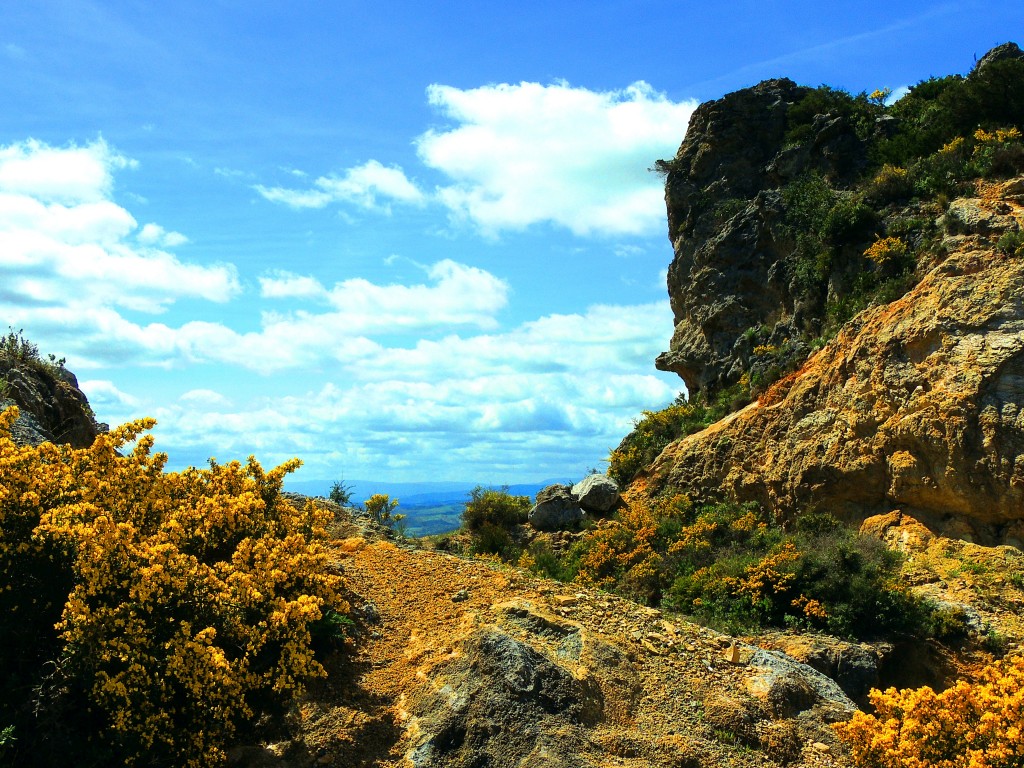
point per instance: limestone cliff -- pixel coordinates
(915, 404)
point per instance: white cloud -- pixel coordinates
(897, 94)
(103, 395)
(353, 313)
(282, 284)
(65, 242)
(529, 153)
(204, 398)
(372, 186)
(60, 174)
(510, 427)
(154, 234)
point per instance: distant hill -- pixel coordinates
(430, 507)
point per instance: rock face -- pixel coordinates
(499, 680)
(918, 404)
(52, 406)
(733, 268)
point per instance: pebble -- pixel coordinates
(460, 596)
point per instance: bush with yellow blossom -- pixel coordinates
(734, 566)
(151, 612)
(970, 725)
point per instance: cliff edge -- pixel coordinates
(857, 270)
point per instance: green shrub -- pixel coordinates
(341, 494)
(735, 567)
(857, 110)
(656, 429)
(892, 182)
(849, 219)
(491, 539)
(543, 561)
(494, 507)
(17, 351)
(381, 509)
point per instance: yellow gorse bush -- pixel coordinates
(886, 250)
(177, 604)
(970, 725)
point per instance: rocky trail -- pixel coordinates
(462, 662)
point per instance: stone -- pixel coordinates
(999, 53)
(52, 407)
(732, 270)
(596, 493)
(494, 681)
(787, 687)
(914, 405)
(556, 510)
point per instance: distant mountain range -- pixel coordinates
(429, 508)
(414, 494)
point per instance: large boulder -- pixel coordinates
(556, 509)
(504, 703)
(596, 493)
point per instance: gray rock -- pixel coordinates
(734, 270)
(788, 687)
(504, 703)
(596, 493)
(854, 667)
(556, 509)
(52, 407)
(999, 53)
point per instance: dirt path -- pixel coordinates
(671, 693)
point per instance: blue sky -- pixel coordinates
(402, 241)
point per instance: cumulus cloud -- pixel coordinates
(517, 404)
(350, 315)
(60, 174)
(154, 234)
(104, 394)
(282, 284)
(525, 154)
(371, 186)
(63, 240)
(204, 398)
(508, 427)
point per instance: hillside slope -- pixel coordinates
(460, 663)
(915, 404)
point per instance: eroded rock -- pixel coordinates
(556, 509)
(914, 405)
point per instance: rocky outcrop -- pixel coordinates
(52, 407)
(916, 404)
(734, 267)
(564, 507)
(530, 672)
